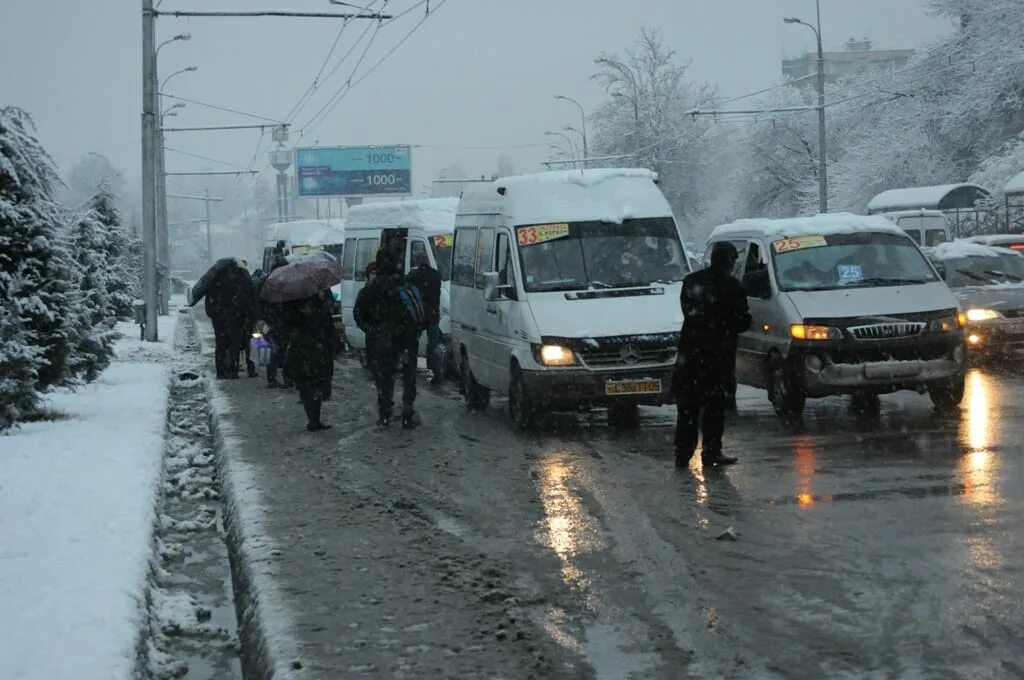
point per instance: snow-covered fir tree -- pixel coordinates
(124, 284)
(93, 317)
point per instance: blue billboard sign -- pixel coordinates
(354, 171)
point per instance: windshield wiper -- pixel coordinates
(601, 284)
(1005, 275)
(886, 281)
(973, 275)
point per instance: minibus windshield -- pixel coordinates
(984, 271)
(584, 255)
(854, 260)
(441, 244)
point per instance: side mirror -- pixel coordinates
(491, 286)
(758, 284)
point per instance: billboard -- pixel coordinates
(354, 171)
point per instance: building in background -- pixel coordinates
(857, 57)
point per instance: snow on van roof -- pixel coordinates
(606, 195)
(429, 214)
(823, 225)
(1015, 185)
(308, 232)
(957, 249)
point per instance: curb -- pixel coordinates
(268, 647)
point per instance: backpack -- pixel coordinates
(412, 302)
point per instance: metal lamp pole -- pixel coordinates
(567, 138)
(583, 124)
(822, 164)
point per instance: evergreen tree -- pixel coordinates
(91, 325)
(34, 306)
(124, 284)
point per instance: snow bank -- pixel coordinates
(951, 250)
(824, 225)
(606, 195)
(76, 521)
(433, 215)
(915, 197)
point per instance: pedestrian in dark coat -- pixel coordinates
(395, 340)
(715, 312)
(361, 315)
(229, 297)
(311, 349)
(277, 331)
(428, 281)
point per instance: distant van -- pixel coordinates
(302, 236)
(565, 293)
(426, 226)
(843, 304)
(928, 228)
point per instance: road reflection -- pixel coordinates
(977, 466)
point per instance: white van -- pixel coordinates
(928, 228)
(302, 236)
(565, 292)
(426, 225)
(843, 304)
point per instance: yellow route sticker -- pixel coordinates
(539, 233)
(444, 240)
(798, 243)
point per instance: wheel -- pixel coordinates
(624, 415)
(520, 406)
(865, 404)
(477, 396)
(947, 394)
(785, 393)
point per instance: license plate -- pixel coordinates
(614, 388)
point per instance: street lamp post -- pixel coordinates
(583, 124)
(822, 164)
(567, 138)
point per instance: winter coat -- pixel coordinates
(228, 292)
(311, 349)
(428, 281)
(381, 310)
(715, 312)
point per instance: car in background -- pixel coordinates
(989, 283)
(1012, 241)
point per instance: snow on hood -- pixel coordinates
(604, 317)
(952, 250)
(607, 195)
(1001, 296)
(824, 225)
(854, 302)
(436, 215)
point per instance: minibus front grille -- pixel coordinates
(887, 331)
(628, 357)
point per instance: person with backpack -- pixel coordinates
(427, 281)
(393, 312)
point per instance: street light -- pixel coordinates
(169, 112)
(583, 121)
(180, 36)
(567, 138)
(822, 165)
(190, 69)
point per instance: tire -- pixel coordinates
(624, 415)
(785, 393)
(865, 405)
(476, 395)
(520, 406)
(947, 394)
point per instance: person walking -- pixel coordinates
(389, 311)
(715, 312)
(361, 315)
(427, 280)
(310, 359)
(229, 297)
(277, 330)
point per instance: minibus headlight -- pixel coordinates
(556, 355)
(947, 324)
(982, 314)
(799, 331)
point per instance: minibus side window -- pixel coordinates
(366, 251)
(484, 255)
(505, 268)
(417, 249)
(348, 261)
(465, 253)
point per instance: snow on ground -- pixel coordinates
(76, 520)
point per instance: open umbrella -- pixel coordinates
(303, 278)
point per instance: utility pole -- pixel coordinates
(822, 162)
(149, 236)
(209, 238)
(583, 124)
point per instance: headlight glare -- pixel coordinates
(556, 355)
(800, 331)
(977, 314)
(946, 324)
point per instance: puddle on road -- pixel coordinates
(192, 620)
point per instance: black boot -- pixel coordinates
(250, 368)
(313, 407)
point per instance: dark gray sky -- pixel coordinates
(478, 73)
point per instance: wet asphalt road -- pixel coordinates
(888, 547)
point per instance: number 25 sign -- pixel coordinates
(799, 243)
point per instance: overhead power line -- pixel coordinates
(220, 108)
(205, 158)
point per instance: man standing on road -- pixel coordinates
(396, 338)
(361, 314)
(428, 281)
(715, 312)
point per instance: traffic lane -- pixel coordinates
(886, 545)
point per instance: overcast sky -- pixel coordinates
(478, 73)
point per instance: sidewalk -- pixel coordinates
(76, 520)
(381, 553)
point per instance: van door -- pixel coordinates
(488, 375)
(754, 345)
(467, 301)
(348, 291)
(417, 248)
(505, 327)
(365, 251)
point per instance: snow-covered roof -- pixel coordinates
(920, 212)
(957, 249)
(607, 195)
(819, 225)
(997, 239)
(934, 197)
(308, 232)
(1015, 185)
(433, 215)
